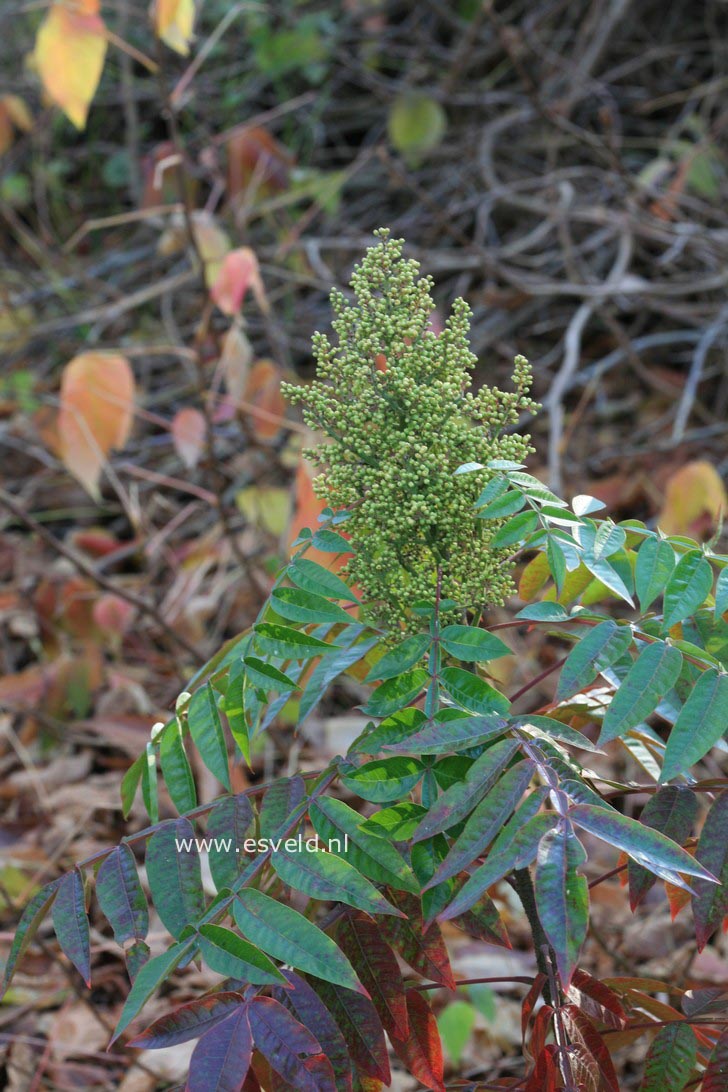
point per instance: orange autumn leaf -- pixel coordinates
(238, 272)
(307, 507)
(97, 401)
(188, 433)
(257, 159)
(266, 406)
(695, 501)
(69, 55)
(174, 22)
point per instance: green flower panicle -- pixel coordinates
(393, 399)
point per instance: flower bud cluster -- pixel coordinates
(393, 399)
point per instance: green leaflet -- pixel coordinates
(672, 810)
(392, 695)
(519, 852)
(687, 588)
(471, 644)
(507, 504)
(228, 954)
(486, 821)
(441, 736)
(651, 676)
(329, 667)
(176, 769)
(121, 896)
(174, 876)
(515, 530)
(286, 935)
(371, 855)
(401, 658)
(459, 800)
(702, 721)
(287, 643)
(562, 896)
(670, 1059)
(130, 784)
(266, 676)
(393, 729)
(31, 918)
(384, 779)
(203, 721)
(646, 846)
(595, 652)
(397, 822)
(232, 819)
(310, 576)
(329, 878)
(298, 605)
(655, 563)
(148, 978)
(472, 692)
(721, 594)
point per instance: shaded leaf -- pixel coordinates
(174, 875)
(598, 650)
(486, 821)
(687, 588)
(421, 1051)
(361, 1027)
(281, 1039)
(239, 272)
(205, 728)
(121, 896)
(176, 769)
(648, 847)
(188, 1021)
(391, 695)
(670, 1059)
(326, 670)
(313, 1013)
(332, 819)
(31, 918)
(672, 810)
(221, 1059)
(148, 978)
(424, 949)
(282, 798)
(710, 904)
(655, 563)
(376, 965)
(562, 896)
(71, 923)
(459, 800)
(581, 1031)
(702, 721)
(520, 851)
(715, 1077)
(231, 819)
(651, 676)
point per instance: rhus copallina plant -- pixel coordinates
(321, 954)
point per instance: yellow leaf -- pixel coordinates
(97, 401)
(14, 113)
(268, 508)
(174, 20)
(70, 49)
(695, 501)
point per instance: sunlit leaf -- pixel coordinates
(340, 827)
(149, 977)
(174, 875)
(702, 721)
(687, 588)
(651, 676)
(121, 896)
(173, 21)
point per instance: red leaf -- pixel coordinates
(543, 1078)
(529, 1002)
(281, 1039)
(312, 1012)
(421, 1051)
(541, 1028)
(711, 902)
(189, 429)
(425, 952)
(715, 1078)
(258, 160)
(376, 965)
(361, 1027)
(238, 272)
(582, 1031)
(188, 1021)
(596, 1000)
(221, 1059)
